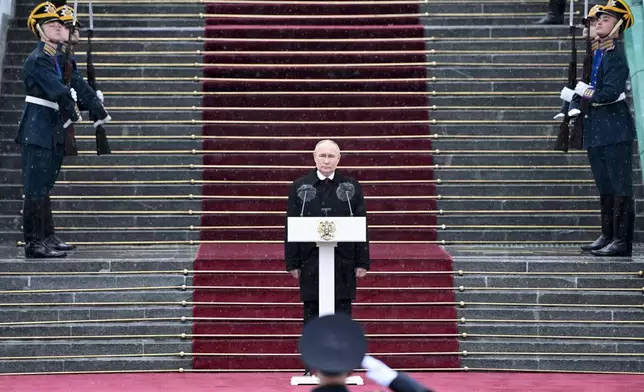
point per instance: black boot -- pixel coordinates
(555, 13)
(51, 239)
(622, 244)
(33, 229)
(607, 203)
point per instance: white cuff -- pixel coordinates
(103, 121)
(378, 372)
(567, 94)
(67, 124)
(584, 90)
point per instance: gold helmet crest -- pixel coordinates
(592, 13)
(620, 10)
(66, 15)
(42, 13)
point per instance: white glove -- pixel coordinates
(74, 95)
(378, 372)
(567, 94)
(581, 89)
(70, 122)
(100, 96)
(103, 121)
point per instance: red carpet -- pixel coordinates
(303, 80)
(279, 382)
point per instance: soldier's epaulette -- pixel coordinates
(607, 45)
(48, 50)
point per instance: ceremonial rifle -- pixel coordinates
(577, 135)
(102, 145)
(564, 129)
(70, 136)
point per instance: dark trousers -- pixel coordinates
(612, 168)
(40, 168)
(312, 308)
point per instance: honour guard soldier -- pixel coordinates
(609, 132)
(41, 132)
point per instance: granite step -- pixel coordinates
(102, 44)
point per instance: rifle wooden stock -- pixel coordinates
(577, 135)
(102, 145)
(71, 149)
(563, 138)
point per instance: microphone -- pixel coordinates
(345, 192)
(306, 193)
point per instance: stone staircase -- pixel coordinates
(527, 305)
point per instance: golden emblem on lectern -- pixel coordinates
(326, 229)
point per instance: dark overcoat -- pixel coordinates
(40, 125)
(348, 255)
(608, 122)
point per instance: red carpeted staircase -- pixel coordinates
(277, 83)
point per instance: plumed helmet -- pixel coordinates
(66, 15)
(592, 13)
(620, 10)
(42, 13)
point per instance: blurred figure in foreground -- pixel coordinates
(333, 346)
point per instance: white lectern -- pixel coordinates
(326, 232)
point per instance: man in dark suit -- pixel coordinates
(351, 259)
(609, 132)
(41, 131)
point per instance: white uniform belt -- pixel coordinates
(41, 102)
(622, 97)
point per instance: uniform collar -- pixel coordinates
(607, 44)
(47, 49)
(331, 388)
(321, 177)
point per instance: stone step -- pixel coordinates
(469, 283)
(386, 159)
(461, 86)
(546, 314)
(290, 115)
(458, 236)
(127, 143)
(509, 222)
(95, 365)
(449, 206)
(445, 174)
(462, 31)
(509, 347)
(16, 102)
(440, 71)
(566, 263)
(62, 348)
(239, 57)
(102, 44)
(23, 10)
(22, 315)
(194, 21)
(592, 364)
